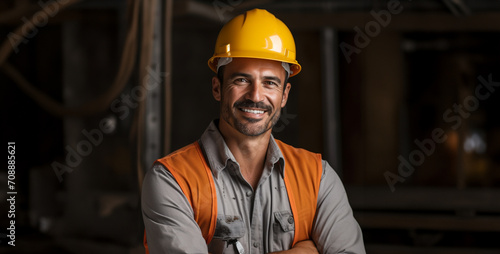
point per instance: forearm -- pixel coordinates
(303, 247)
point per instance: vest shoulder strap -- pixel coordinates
(190, 170)
(302, 176)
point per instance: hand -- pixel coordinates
(302, 247)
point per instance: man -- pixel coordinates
(238, 190)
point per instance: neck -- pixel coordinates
(249, 151)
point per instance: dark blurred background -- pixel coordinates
(401, 97)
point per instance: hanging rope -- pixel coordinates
(49, 104)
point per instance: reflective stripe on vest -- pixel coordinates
(303, 171)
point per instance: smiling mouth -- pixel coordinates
(252, 111)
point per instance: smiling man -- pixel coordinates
(237, 189)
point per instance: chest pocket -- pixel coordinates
(283, 230)
(229, 227)
(228, 230)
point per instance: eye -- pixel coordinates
(241, 81)
(270, 83)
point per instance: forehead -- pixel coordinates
(256, 67)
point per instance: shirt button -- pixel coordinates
(256, 244)
(249, 193)
(290, 220)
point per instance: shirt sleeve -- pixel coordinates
(335, 230)
(168, 216)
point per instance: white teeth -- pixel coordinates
(252, 111)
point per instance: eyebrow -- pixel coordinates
(240, 74)
(246, 75)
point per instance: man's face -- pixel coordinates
(252, 94)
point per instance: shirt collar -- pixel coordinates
(219, 156)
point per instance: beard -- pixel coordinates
(249, 126)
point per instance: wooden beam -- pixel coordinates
(390, 249)
(426, 21)
(424, 221)
(424, 198)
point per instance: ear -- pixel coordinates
(216, 88)
(285, 94)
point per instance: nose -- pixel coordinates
(255, 92)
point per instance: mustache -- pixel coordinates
(250, 104)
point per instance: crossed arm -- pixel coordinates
(303, 247)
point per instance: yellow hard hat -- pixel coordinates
(256, 34)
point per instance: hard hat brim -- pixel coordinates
(294, 65)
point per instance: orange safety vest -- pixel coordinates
(303, 171)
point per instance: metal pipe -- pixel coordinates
(167, 137)
(331, 109)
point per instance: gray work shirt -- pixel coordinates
(257, 221)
